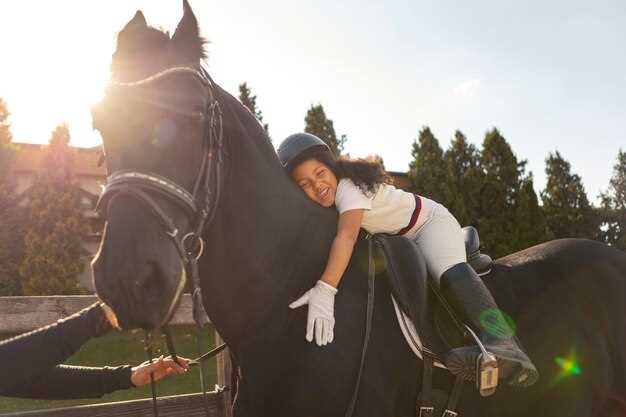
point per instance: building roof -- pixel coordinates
(400, 180)
(85, 160)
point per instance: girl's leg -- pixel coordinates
(441, 242)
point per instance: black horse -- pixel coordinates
(268, 243)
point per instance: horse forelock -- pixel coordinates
(142, 50)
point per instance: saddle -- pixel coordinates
(419, 305)
(429, 325)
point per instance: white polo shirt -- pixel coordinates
(388, 210)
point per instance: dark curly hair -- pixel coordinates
(367, 174)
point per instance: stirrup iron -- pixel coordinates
(486, 368)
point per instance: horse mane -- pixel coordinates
(242, 120)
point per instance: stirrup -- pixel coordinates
(486, 368)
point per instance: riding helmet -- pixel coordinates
(297, 147)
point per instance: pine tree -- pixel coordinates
(321, 126)
(5, 126)
(54, 256)
(426, 171)
(11, 218)
(613, 206)
(249, 100)
(565, 203)
(463, 179)
(533, 227)
(499, 193)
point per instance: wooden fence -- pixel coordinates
(22, 314)
(189, 405)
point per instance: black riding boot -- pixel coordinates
(469, 296)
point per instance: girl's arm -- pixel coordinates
(321, 298)
(342, 247)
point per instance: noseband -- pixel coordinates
(199, 205)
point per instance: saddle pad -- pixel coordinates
(410, 334)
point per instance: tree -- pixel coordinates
(321, 126)
(426, 172)
(498, 196)
(565, 203)
(5, 126)
(463, 179)
(613, 206)
(249, 100)
(11, 219)
(54, 256)
(530, 216)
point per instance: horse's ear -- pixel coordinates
(138, 20)
(187, 38)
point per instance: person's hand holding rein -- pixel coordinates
(160, 368)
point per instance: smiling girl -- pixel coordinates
(361, 193)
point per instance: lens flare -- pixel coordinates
(569, 367)
(497, 323)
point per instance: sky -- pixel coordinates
(550, 75)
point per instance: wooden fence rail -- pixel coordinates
(189, 405)
(22, 314)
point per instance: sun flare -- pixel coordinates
(61, 72)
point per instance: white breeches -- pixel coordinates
(441, 241)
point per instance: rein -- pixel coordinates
(369, 314)
(200, 206)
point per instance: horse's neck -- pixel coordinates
(266, 245)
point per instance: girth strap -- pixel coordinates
(426, 407)
(455, 395)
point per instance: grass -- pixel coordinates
(119, 348)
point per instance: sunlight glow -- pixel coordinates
(63, 54)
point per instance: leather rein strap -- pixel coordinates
(200, 206)
(369, 314)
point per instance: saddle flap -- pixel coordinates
(407, 276)
(406, 272)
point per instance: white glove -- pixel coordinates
(321, 316)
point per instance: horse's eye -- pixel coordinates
(164, 133)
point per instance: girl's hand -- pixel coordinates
(321, 315)
(161, 367)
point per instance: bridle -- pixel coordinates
(199, 205)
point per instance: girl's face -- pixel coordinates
(317, 181)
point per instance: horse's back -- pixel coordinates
(568, 252)
(566, 299)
